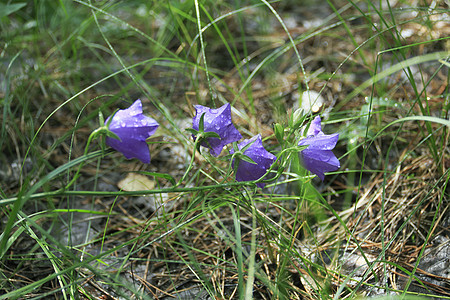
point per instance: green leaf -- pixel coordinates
(201, 125)
(247, 146)
(211, 134)
(101, 119)
(112, 135)
(160, 175)
(7, 9)
(279, 132)
(247, 159)
(192, 131)
(297, 118)
(444, 122)
(235, 147)
(111, 118)
(395, 68)
(25, 196)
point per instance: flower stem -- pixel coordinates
(191, 163)
(93, 135)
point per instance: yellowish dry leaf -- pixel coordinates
(136, 182)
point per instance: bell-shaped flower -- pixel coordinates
(318, 157)
(218, 121)
(132, 128)
(247, 171)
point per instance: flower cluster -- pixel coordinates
(219, 121)
(129, 129)
(317, 157)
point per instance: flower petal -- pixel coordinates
(320, 141)
(140, 128)
(319, 162)
(315, 127)
(124, 115)
(131, 148)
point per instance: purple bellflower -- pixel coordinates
(132, 128)
(318, 157)
(247, 171)
(218, 121)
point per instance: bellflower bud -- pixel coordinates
(132, 128)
